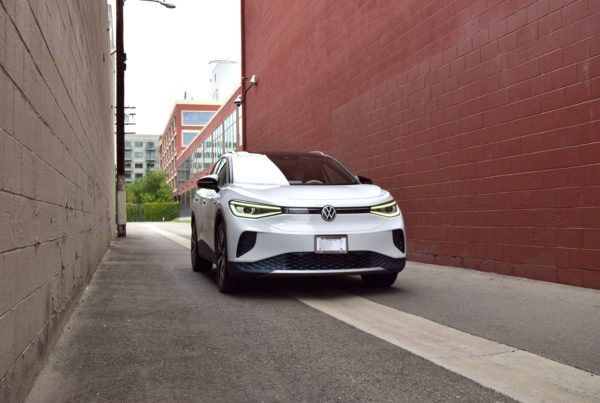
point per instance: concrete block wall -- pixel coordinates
(481, 116)
(56, 172)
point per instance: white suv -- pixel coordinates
(294, 214)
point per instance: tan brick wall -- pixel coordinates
(56, 172)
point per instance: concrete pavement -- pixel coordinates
(139, 335)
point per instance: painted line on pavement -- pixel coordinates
(515, 373)
(183, 241)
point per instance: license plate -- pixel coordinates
(331, 244)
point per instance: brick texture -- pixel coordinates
(56, 172)
(482, 118)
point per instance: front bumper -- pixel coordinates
(312, 264)
(284, 245)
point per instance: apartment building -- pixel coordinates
(141, 155)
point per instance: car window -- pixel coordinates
(302, 169)
(290, 169)
(257, 169)
(222, 173)
(333, 175)
(217, 167)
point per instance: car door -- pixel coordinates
(210, 204)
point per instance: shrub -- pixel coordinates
(152, 211)
(135, 212)
(158, 211)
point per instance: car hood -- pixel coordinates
(312, 195)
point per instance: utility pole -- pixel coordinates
(121, 195)
(121, 59)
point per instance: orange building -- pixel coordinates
(185, 123)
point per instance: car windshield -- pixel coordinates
(290, 169)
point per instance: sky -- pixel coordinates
(168, 54)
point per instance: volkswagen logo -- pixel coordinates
(328, 213)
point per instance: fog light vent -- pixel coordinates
(398, 236)
(246, 243)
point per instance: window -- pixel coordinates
(192, 118)
(217, 138)
(139, 144)
(138, 165)
(245, 169)
(312, 170)
(150, 144)
(150, 165)
(207, 153)
(217, 168)
(150, 155)
(138, 155)
(128, 154)
(188, 137)
(284, 169)
(222, 173)
(183, 171)
(230, 132)
(128, 164)
(240, 137)
(199, 154)
(128, 144)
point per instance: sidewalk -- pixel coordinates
(139, 324)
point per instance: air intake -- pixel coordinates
(398, 236)
(246, 243)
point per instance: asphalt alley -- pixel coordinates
(511, 371)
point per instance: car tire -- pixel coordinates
(379, 280)
(225, 281)
(198, 264)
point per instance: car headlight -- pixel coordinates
(389, 209)
(253, 210)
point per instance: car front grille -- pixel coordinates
(313, 261)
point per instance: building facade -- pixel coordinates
(141, 155)
(222, 134)
(481, 117)
(187, 119)
(57, 177)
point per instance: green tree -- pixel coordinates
(151, 188)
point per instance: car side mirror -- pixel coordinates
(209, 182)
(365, 180)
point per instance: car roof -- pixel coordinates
(280, 153)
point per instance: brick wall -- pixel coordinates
(481, 117)
(57, 172)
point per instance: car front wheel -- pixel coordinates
(225, 282)
(379, 280)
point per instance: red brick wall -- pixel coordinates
(482, 118)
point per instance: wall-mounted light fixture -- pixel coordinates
(240, 98)
(253, 82)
